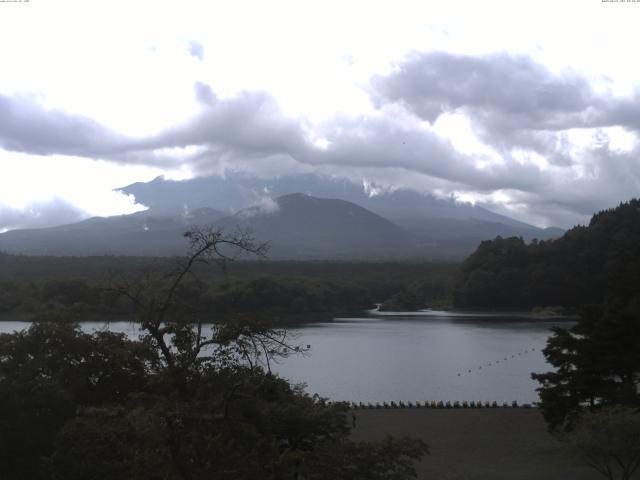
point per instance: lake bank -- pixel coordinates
(296, 319)
(492, 314)
(476, 444)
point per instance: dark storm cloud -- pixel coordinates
(247, 125)
(25, 126)
(250, 127)
(610, 178)
(503, 92)
(517, 105)
(625, 112)
(512, 101)
(381, 142)
(514, 105)
(40, 214)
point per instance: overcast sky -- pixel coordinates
(531, 108)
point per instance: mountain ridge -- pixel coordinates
(298, 225)
(236, 191)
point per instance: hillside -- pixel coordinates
(136, 234)
(578, 269)
(305, 227)
(297, 226)
(423, 214)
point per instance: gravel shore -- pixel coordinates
(477, 444)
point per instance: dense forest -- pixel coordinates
(574, 271)
(37, 287)
(270, 298)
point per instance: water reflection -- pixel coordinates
(428, 356)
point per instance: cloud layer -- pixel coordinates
(549, 152)
(40, 214)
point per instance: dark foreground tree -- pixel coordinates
(193, 398)
(47, 373)
(608, 441)
(597, 363)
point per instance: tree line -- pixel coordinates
(297, 299)
(574, 271)
(33, 287)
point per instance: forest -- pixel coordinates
(574, 271)
(31, 287)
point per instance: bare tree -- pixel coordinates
(180, 330)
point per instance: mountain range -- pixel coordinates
(301, 216)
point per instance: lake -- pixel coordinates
(412, 356)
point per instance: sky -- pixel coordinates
(531, 109)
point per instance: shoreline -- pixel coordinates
(286, 319)
(494, 314)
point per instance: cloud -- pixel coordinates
(383, 142)
(527, 115)
(196, 50)
(522, 112)
(512, 101)
(250, 130)
(249, 125)
(204, 94)
(264, 206)
(40, 214)
(26, 126)
(508, 92)
(625, 112)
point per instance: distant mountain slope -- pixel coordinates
(136, 234)
(472, 229)
(452, 229)
(301, 226)
(298, 226)
(576, 270)
(236, 191)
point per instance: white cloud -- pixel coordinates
(264, 206)
(25, 179)
(291, 83)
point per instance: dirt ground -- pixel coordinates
(477, 444)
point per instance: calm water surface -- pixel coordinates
(409, 357)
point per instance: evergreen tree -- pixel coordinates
(597, 363)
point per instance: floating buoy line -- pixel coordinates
(497, 362)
